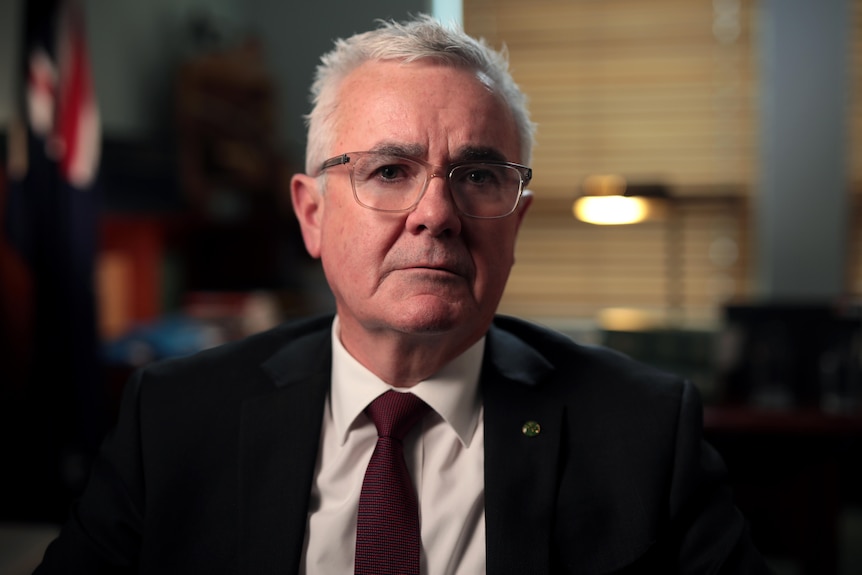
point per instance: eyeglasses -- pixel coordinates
(394, 183)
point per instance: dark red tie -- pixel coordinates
(387, 527)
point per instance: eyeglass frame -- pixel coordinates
(525, 172)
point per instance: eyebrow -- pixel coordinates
(480, 153)
(395, 149)
(467, 153)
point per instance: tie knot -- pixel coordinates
(394, 413)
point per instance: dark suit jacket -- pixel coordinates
(210, 467)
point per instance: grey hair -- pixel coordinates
(420, 38)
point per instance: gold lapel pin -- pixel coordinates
(531, 429)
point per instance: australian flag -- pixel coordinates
(54, 384)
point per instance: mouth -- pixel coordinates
(433, 263)
(450, 269)
(434, 273)
(441, 268)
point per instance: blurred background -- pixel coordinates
(144, 213)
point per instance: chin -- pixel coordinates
(439, 318)
(426, 315)
(429, 324)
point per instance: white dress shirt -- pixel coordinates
(445, 456)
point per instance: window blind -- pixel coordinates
(660, 92)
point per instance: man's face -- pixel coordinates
(429, 271)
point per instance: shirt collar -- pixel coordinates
(452, 392)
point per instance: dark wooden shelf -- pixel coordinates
(793, 422)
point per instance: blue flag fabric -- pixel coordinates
(50, 228)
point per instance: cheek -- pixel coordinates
(337, 250)
(494, 256)
(499, 273)
(352, 250)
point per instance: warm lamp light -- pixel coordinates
(628, 319)
(609, 200)
(610, 210)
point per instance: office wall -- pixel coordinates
(9, 10)
(802, 216)
(136, 46)
(134, 49)
(294, 36)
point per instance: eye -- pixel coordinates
(480, 176)
(391, 172)
(385, 169)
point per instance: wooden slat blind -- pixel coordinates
(660, 92)
(657, 90)
(688, 264)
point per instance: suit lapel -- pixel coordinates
(279, 438)
(520, 466)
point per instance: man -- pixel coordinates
(531, 454)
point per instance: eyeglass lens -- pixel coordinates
(392, 183)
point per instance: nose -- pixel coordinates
(436, 211)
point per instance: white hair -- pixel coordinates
(421, 38)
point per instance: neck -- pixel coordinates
(403, 359)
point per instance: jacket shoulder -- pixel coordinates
(583, 363)
(249, 351)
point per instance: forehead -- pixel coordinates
(423, 105)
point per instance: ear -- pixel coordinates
(308, 207)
